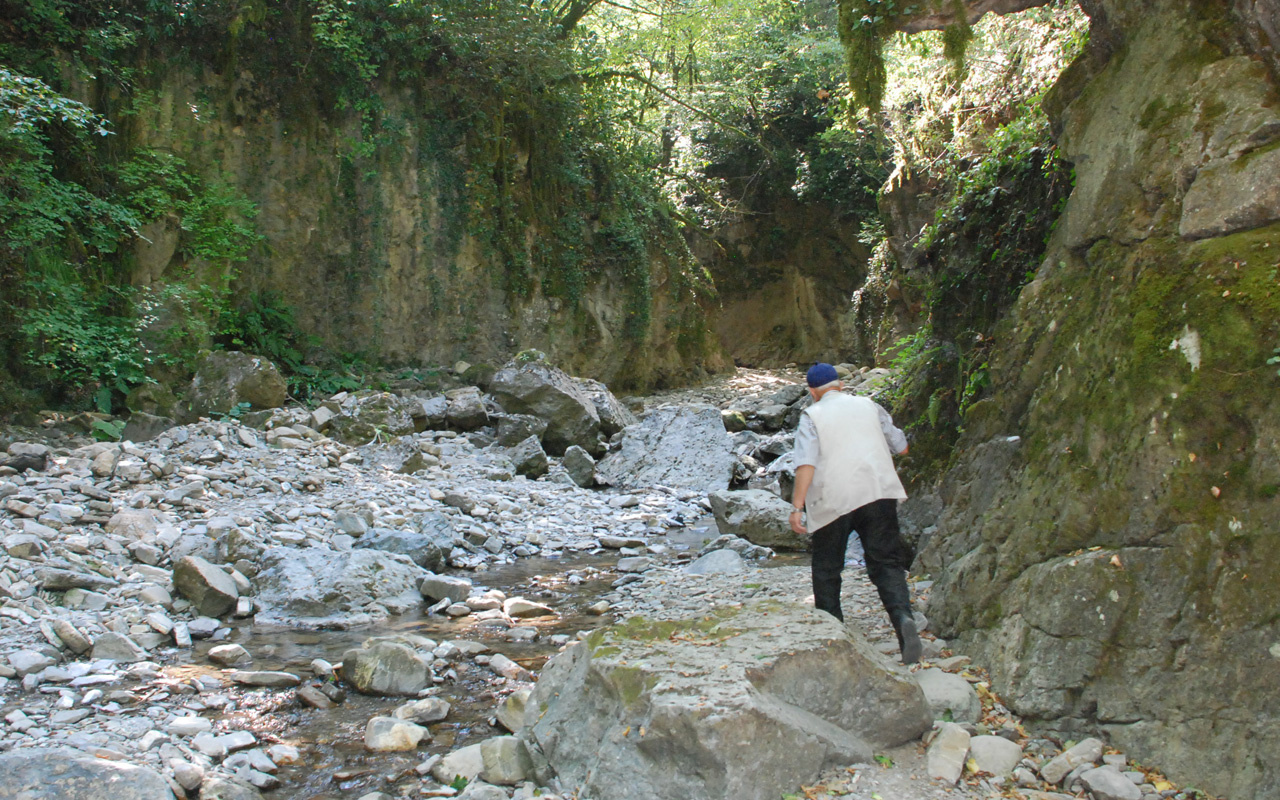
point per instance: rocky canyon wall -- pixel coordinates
(784, 273)
(1107, 542)
(368, 238)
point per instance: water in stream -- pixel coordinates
(336, 763)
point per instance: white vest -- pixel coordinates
(855, 466)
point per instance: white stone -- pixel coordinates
(383, 734)
(947, 753)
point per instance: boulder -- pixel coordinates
(515, 428)
(787, 395)
(424, 712)
(229, 655)
(550, 394)
(717, 562)
(684, 447)
(428, 549)
(374, 416)
(479, 790)
(439, 587)
(745, 703)
(995, 755)
(529, 458)
(758, 516)
(220, 787)
(226, 379)
(154, 399)
(118, 647)
(947, 753)
(506, 761)
(520, 608)
(771, 416)
(738, 545)
(386, 667)
(52, 579)
(134, 523)
(1086, 751)
(465, 762)
(211, 590)
(1107, 783)
(319, 586)
(465, 409)
(614, 416)
(511, 710)
(434, 412)
(63, 774)
(385, 734)
(950, 696)
(580, 466)
(143, 427)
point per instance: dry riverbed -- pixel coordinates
(230, 684)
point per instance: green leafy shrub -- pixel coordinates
(74, 339)
(265, 325)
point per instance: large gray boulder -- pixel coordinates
(758, 516)
(747, 703)
(580, 466)
(529, 458)
(386, 667)
(680, 446)
(950, 696)
(548, 393)
(428, 547)
(515, 428)
(465, 409)
(614, 416)
(225, 379)
(64, 774)
(143, 427)
(211, 590)
(317, 586)
(375, 417)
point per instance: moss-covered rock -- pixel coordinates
(226, 380)
(1106, 546)
(746, 703)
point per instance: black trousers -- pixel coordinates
(888, 557)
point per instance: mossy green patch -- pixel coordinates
(704, 628)
(631, 683)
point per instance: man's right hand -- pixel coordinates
(797, 522)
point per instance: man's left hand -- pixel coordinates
(797, 522)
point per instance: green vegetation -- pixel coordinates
(570, 143)
(979, 140)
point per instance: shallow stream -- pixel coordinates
(336, 763)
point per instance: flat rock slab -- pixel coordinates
(746, 703)
(316, 586)
(273, 680)
(685, 447)
(59, 774)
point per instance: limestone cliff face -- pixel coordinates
(784, 274)
(1108, 539)
(371, 245)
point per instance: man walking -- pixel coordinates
(846, 482)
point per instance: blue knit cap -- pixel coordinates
(821, 375)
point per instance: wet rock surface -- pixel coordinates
(227, 609)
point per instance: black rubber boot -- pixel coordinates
(904, 624)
